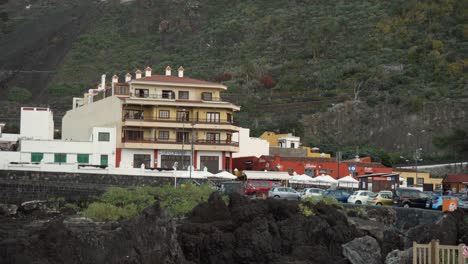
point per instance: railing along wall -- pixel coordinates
(434, 253)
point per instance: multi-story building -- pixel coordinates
(161, 121)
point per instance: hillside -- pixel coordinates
(285, 62)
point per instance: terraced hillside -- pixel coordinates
(285, 62)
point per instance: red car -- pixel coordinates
(255, 187)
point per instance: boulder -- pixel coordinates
(8, 209)
(30, 206)
(369, 227)
(363, 250)
(400, 257)
(384, 215)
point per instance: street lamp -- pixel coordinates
(417, 152)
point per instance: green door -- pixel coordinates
(104, 160)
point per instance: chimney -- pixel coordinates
(128, 77)
(168, 71)
(181, 71)
(138, 74)
(115, 79)
(148, 72)
(103, 82)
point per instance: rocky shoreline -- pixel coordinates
(245, 231)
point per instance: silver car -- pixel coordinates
(312, 192)
(284, 193)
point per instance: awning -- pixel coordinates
(267, 175)
(224, 175)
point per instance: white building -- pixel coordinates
(98, 150)
(250, 146)
(37, 123)
(289, 141)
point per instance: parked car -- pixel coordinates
(284, 193)
(463, 203)
(312, 192)
(340, 195)
(410, 197)
(359, 197)
(254, 187)
(437, 201)
(381, 198)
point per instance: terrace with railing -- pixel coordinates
(179, 141)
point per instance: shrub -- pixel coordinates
(306, 210)
(118, 203)
(357, 212)
(328, 200)
(18, 94)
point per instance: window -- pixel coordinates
(212, 117)
(182, 116)
(212, 137)
(37, 157)
(229, 118)
(292, 145)
(228, 138)
(143, 93)
(104, 160)
(83, 158)
(134, 114)
(207, 96)
(164, 114)
(164, 135)
(60, 158)
(410, 181)
(420, 180)
(168, 94)
(133, 134)
(184, 95)
(104, 136)
(182, 137)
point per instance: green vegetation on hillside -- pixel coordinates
(18, 94)
(286, 58)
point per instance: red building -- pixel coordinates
(311, 166)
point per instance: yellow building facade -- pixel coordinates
(161, 120)
(413, 178)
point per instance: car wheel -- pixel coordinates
(358, 202)
(276, 196)
(406, 205)
(379, 204)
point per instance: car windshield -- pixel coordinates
(355, 193)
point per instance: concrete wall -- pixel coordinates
(7, 157)
(37, 123)
(288, 152)
(20, 186)
(77, 124)
(249, 146)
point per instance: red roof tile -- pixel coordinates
(455, 178)
(175, 79)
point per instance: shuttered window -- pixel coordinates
(37, 157)
(83, 158)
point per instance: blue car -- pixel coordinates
(437, 201)
(340, 195)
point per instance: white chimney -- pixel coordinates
(181, 72)
(128, 77)
(115, 79)
(168, 71)
(103, 82)
(138, 74)
(148, 72)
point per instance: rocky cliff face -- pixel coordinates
(387, 126)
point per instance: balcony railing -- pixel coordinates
(176, 141)
(172, 97)
(181, 120)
